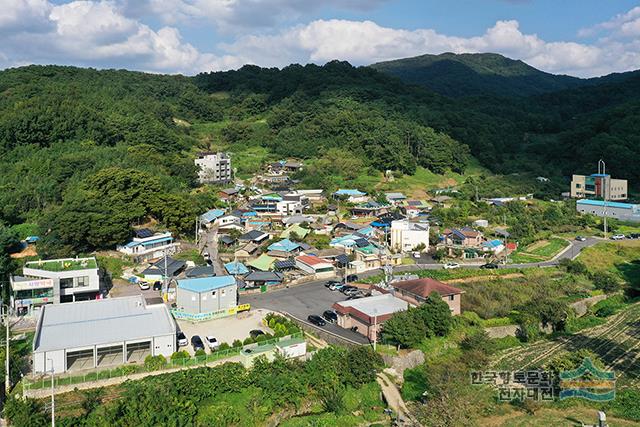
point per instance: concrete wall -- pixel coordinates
(164, 345)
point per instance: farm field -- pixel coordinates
(616, 342)
(542, 250)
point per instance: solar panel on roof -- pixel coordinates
(144, 233)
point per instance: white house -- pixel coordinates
(147, 245)
(407, 235)
(214, 167)
(315, 265)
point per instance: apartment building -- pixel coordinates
(599, 186)
(407, 235)
(53, 282)
(214, 167)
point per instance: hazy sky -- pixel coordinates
(577, 37)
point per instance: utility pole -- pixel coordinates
(165, 290)
(606, 192)
(7, 377)
(53, 400)
(375, 328)
(197, 229)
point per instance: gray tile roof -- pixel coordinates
(98, 322)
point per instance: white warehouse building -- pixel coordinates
(407, 235)
(101, 334)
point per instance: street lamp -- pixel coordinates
(53, 402)
(375, 328)
(7, 378)
(603, 167)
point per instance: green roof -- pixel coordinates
(300, 231)
(263, 263)
(68, 264)
(290, 341)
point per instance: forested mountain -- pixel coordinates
(86, 154)
(471, 74)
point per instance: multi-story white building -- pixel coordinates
(214, 167)
(407, 235)
(148, 245)
(54, 281)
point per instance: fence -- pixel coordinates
(126, 370)
(201, 317)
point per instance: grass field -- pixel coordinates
(621, 258)
(539, 251)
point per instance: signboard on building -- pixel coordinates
(32, 284)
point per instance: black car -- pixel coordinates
(634, 236)
(316, 320)
(196, 343)
(255, 333)
(157, 286)
(352, 278)
(330, 316)
(489, 265)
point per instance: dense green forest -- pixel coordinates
(86, 154)
(471, 74)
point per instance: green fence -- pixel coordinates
(125, 370)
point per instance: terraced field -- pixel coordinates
(616, 342)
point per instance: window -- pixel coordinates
(213, 294)
(66, 283)
(83, 281)
(452, 297)
(223, 291)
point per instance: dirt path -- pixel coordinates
(394, 400)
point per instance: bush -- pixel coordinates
(248, 340)
(573, 266)
(224, 346)
(200, 353)
(180, 355)
(609, 306)
(236, 344)
(154, 363)
(607, 282)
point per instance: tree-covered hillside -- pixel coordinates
(472, 74)
(86, 154)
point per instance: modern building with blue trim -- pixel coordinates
(148, 245)
(617, 210)
(207, 294)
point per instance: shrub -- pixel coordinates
(248, 340)
(607, 282)
(224, 346)
(609, 306)
(236, 344)
(180, 355)
(200, 353)
(154, 363)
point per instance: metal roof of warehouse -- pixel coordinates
(100, 322)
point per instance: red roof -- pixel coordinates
(424, 287)
(312, 260)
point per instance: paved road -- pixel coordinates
(570, 252)
(209, 243)
(302, 300)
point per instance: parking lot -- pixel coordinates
(302, 300)
(226, 329)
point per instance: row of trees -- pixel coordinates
(188, 397)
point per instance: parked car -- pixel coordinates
(212, 342)
(316, 320)
(352, 278)
(417, 254)
(206, 256)
(157, 285)
(332, 282)
(634, 236)
(330, 316)
(336, 286)
(355, 295)
(255, 333)
(347, 288)
(489, 265)
(451, 265)
(196, 343)
(182, 339)
(144, 286)
(618, 237)
(351, 292)
(581, 238)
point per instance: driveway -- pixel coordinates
(302, 300)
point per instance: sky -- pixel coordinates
(584, 38)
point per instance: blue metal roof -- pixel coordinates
(211, 215)
(285, 245)
(492, 243)
(149, 242)
(599, 175)
(349, 192)
(600, 203)
(204, 284)
(236, 268)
